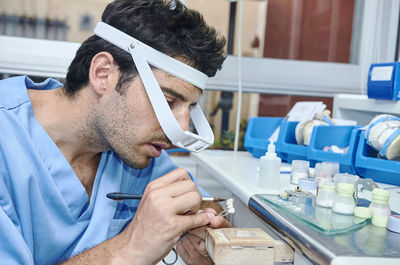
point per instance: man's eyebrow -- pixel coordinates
(173, 93)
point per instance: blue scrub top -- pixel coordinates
(45, 216)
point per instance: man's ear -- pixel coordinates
(103, 73)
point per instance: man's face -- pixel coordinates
(128, 125)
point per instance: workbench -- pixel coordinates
(233, 174)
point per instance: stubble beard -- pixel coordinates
(119, 131)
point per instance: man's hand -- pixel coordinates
(166, 211)
(169, 207)
(192, 249)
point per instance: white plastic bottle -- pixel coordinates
(270, 170)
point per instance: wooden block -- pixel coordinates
(239, 246)
(283, 252)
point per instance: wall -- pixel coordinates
(306, 30)
(71, 11)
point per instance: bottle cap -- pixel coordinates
(394, 223)
(380, 220)
(271, 147)
(345, 189)
(363, 212)
(270, 152)
(380, 196)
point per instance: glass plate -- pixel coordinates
(320, 218)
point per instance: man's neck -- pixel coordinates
(67, 122)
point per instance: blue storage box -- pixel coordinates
(258, 130)
(380, 170)
(383, 81)
(287, 147)
(341, 136)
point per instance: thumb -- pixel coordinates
(197, 220)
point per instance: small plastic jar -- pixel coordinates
(300, 169)
(309, 185)
(344, 200)
(394, 223)
(380, 202)
(326, 194)
(325, 171)
(380, 220)
(345, 177)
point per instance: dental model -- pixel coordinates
(229, 205)
(228, 213)
(383, 135)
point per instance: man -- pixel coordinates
(64, 148)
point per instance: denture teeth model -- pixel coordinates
(229, 205)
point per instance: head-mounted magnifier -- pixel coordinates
(143, 55)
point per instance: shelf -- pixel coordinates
(361, 108)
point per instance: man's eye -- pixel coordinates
(192, 106)
(170, 101)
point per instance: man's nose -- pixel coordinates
(182, 115)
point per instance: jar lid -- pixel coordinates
(307, 184)
(345, 189)
(345, 178)
(300, 166)
(328, 185)
(380, 195)
(394, 223)
(363, 212)
(380, 220)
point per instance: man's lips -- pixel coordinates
(156, 148)
(160, 145)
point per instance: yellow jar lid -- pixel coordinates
(328, 185)
(363, 212)
(380, 220)
(380, 195)
(345, 189)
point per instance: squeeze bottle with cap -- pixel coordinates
(270, 170)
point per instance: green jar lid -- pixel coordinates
(363, 212)
(380, 196)
(345, 189)
(380, 220)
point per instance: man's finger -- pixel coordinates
(181, 187)
(218, 221)
(176, 175)
(195, 254)
(190, 222)
(188, 202)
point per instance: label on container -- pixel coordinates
(381, 73)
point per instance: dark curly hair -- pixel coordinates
(167, 26)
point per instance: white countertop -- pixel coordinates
(237, 171)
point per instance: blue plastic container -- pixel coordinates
(380, 170)
(258, 130)
(341, 136)
(287, 147)
(384, 88)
